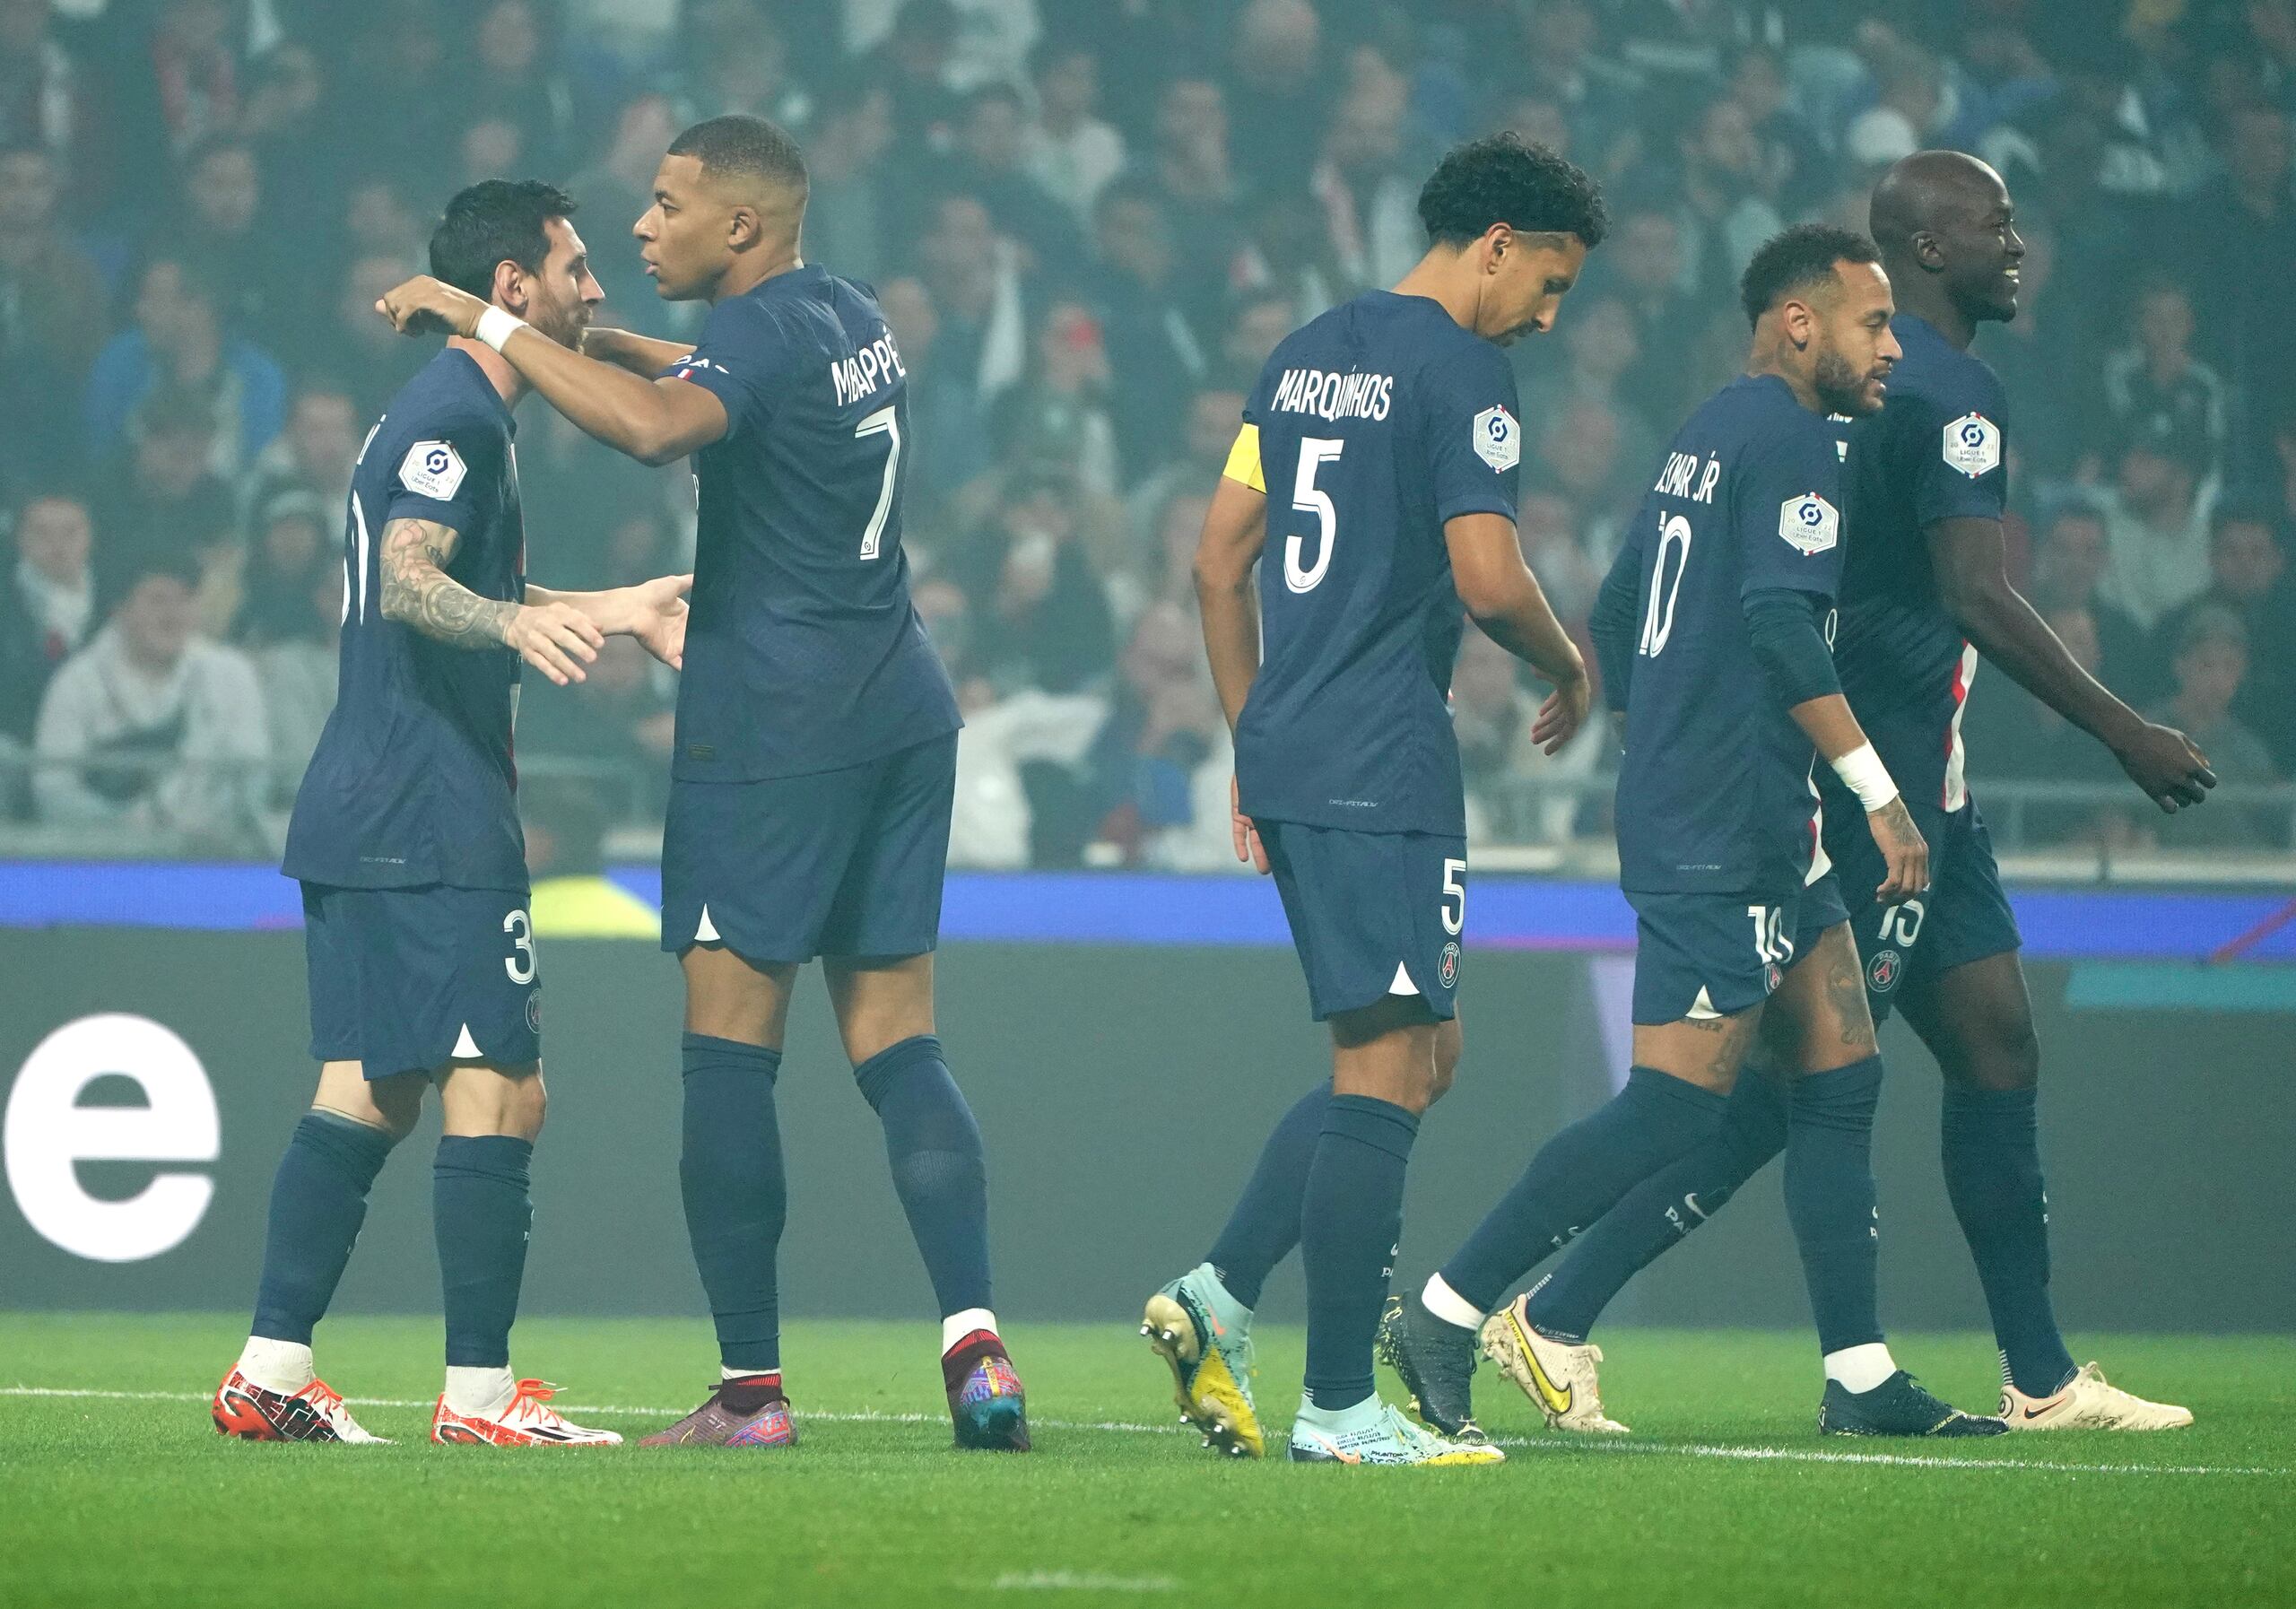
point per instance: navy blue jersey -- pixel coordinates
(1376, 422)
(1938, 449)
(412, 782)
(1714, 793)
(802, 652)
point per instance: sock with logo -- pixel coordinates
(940, 1171)
(736, 1198)
(482, 1214)
(1578, 1175)
(1349, 1216)
(1829, 1199)
(1265, 1224)
(318, 1200)
(1990, 1142)
(1659, 1212)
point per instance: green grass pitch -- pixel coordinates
(1725, 1495)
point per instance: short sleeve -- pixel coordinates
(1957, 451)
(1788, 505)
(738, 361)
(1474, 433)
(451, 474)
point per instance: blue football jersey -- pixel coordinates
(413, 780)
(803, 651)
(1378, 421)
(1714, 793)
(1938, 449)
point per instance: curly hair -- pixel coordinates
(1799, 257)
(1505, 179)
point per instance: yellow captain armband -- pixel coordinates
(1243, 460)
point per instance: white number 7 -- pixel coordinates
(885, 422)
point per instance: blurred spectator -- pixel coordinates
(740, 59)
(295, 138)
(915, 57)
(51, 317)
(1291, 252)
(2046, 354)
(1193, 174)
(1040, 616)
(850, 222)
(990, 160)
(1576, 454)
(1068, 149)
(2211, 662)
(1257, 322)
(571, 897)
(2069, 565)
(1214, 414)
(2156, 520)
(2012, 736)
(970, 41)
(1164, 722)
(224, 240)
(1791, 163)
(1546, 523)
(1560, 65)
(2156, 379)
(188, 79)
(1150, 338)
(2236, 239)
(297, 665)
(179, 344)
(1283, 90)
(46, 102)
(358, 345)
(1644, 267)
(166, 503)
(48, 605)
(1726, 207)
(1370, 204)
(1058, 414)
(153, 728)
(315, 453)
(510, 76)
(290, 555)
(2247, 579)
(618, 186)
(1601, 346)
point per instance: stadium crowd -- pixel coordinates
(1089, 225)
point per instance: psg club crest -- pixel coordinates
(534, 1011)
(1883, 972)
(1771, 977)
(1973, 445)
(1810, 523)
(1447, 969)
(1498, 438)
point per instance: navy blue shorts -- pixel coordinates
(848, 861)
(407, 979)
(1373, 913)
(1964, 916)
(1702, 956)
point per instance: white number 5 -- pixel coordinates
(883, 423)
(1455, 896)
(1307, 498)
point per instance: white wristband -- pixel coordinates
(1862, 771)
(495, 327)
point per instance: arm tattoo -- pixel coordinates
(418, 591)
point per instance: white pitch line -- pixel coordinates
(1684, 1449)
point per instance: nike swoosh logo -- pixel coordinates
(1335, 1451)
(1556, 1399)
(2044, 1407)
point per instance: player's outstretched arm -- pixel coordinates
(1235, 529)
(554, 638)
(1509, 607)
(1970, 560)
(654, 421)
(1782, 625)
(626, 349)
(653, 611)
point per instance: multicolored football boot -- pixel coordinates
(315, 1413)
(987, 1405)
(1377, 1433)
(1205, 1335)
(747, 1410)
(527, 1420)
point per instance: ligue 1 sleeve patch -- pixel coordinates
(432, 469)
(1973, 445)
(1809, 523)
(1498, 438)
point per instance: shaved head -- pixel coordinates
(1947, 231)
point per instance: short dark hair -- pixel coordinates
(740, 144)
(1505, 179)
(1798, 258)
(495, 220)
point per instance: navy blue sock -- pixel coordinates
(1265, 1224)
(1991, 1144)
(1349, 1214)
(1657, 1213)
(736, 1199)
(940, 1173)
(481, 1214)
(1829, 1199)
(1579, 1175)
(318, 1200)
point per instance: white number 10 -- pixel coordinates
(883, 423)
